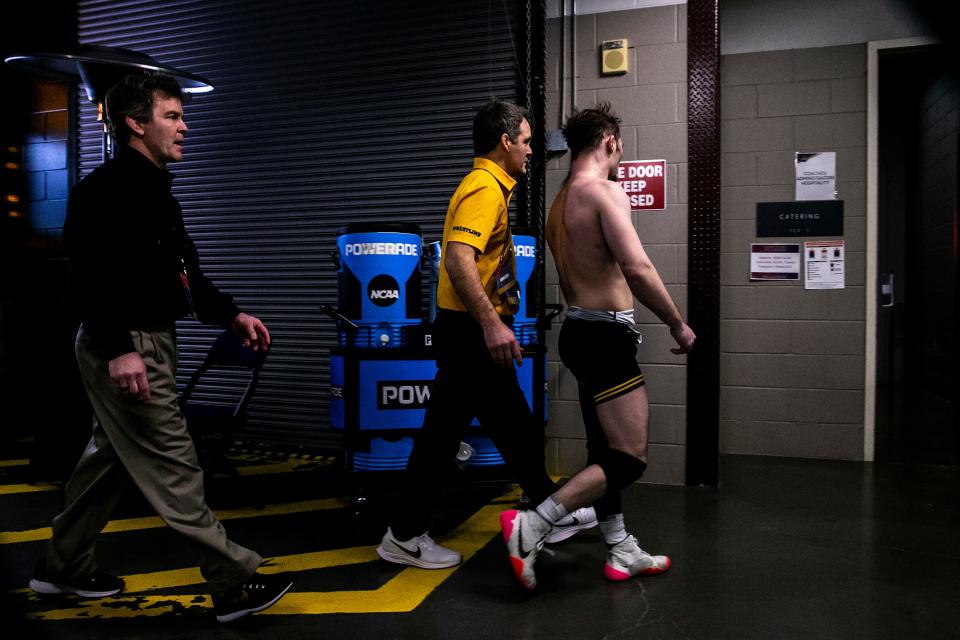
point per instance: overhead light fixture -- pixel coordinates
(99, 67)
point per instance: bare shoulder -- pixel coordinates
(601, 194)
(615, 193)
(605, 197)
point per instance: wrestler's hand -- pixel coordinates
(253, 332)
(684, 336)
(129, 375)
(502, 344)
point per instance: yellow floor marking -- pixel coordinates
(251, 457)
(247, 456)
(126, 607)
(8, 489)
(281, 467)
(409, 588)
(403, 593)
(153, 522)
(140, 582)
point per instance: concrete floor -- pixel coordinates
(785, 548)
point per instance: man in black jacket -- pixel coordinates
(134, 273)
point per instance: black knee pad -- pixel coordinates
(621, 469)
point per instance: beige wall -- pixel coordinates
(651, 99)
(792, 360)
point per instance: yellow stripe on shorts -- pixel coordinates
(618, 390)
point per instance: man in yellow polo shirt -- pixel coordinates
(477, 295)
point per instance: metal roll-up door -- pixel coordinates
(323, 114)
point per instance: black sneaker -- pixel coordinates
(97, 585)
(259, 592)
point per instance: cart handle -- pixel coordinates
(336, 315)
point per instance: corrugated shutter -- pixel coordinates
(322, 114)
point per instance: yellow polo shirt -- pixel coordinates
(477, 216)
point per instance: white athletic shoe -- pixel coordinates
(420, 551)
(525, 533)
(626, 559)
(580, 519)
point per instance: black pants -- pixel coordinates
(602, 355)
(469, 385)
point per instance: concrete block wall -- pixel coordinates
(45, 158)
(792, 378)
(651, 100)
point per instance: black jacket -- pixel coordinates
(125, 238)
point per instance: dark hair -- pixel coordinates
(133, 96)
(492, 121)
(586, 128)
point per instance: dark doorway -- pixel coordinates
(917, 257)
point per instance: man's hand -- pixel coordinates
(685, 338)
(461, 262)
(502, 344)
(129, 375)
(253, 332)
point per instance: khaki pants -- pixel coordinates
(148, 441)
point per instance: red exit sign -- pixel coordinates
(645, 182)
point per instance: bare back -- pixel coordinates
(590, 274)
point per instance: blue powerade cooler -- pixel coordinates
(382, 372)
(525, 320)
(379, 282)
(383, 395)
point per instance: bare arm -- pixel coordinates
(460, 261)
(641, 275)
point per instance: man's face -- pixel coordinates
(163, 135)
(519, 152)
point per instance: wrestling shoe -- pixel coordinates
(626, 559)
(580, 519)
(95, 585)
(420, 551)
(259, 592)
(525, 533)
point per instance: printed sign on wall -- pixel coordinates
(774, 261)
(824, 261)
(816, 175)
(809, 218)
(645, 182)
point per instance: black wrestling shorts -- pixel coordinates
(602, 355)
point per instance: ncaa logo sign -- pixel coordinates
(383, 290)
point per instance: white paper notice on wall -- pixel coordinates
(817, 175)
(774, 261)
(824, 264)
